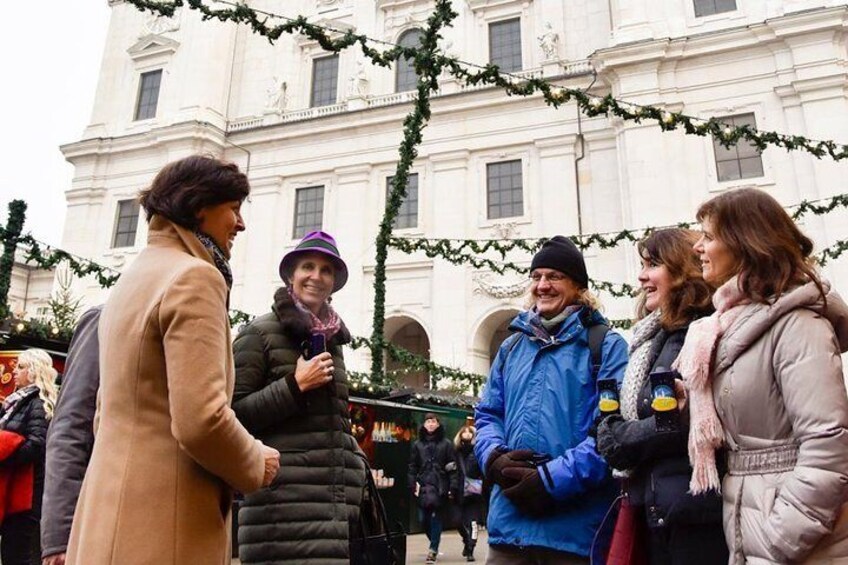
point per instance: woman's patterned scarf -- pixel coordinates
(12, 400)
(328, 323)
(218, 256)
(694, 363)
(639, 365)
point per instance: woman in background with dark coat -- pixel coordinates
(26, 412)
(683, 529)
(292, 392)
(469, 493)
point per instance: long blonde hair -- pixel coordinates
(40, 367)
(457, 440)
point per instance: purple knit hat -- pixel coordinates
(316, 242)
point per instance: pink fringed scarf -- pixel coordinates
(694, 363)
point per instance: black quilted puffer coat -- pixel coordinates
(29, 420)
(304, 516)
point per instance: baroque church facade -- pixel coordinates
(318, 136)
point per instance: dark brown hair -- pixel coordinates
(772, 255)
(184, 187)
(689, 297)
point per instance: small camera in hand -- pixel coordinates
(608, 399)
(664, 400)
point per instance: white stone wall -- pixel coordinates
(782, 60)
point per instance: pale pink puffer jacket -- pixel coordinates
(779, 391)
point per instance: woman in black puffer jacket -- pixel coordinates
(300, 407)
(682, 529)
(26, 412)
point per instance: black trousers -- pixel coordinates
(19, 540)
(687, 544)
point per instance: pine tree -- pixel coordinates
(64, 307)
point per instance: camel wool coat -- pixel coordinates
(168, 448)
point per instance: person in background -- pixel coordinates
(168, 449)
(764, 376)
(551, 487)
(433, 479)
(469, 492)
(292, 392)
(26, 413)
(70, 438)
(683, 529)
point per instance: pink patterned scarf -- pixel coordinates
(694, 363)
(328, 323)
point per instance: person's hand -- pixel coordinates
(55, 559)
(314, 373)
(272, 463)
(500, 459)
(528, 493)
(680, 393)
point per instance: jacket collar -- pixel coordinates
(163, 232)
(573, 325)
(758, 318)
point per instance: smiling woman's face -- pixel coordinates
(312, 280)
(655, 281)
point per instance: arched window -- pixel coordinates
(405, 78)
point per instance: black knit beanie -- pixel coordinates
(560, 253)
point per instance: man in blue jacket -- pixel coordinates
(551, 489)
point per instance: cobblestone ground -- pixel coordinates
(450, 550)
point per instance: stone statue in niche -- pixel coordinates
(156, 24)
(549, 42)
(358, 87)
(276, 97)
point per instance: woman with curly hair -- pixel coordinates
(23, 431)
(681, 528)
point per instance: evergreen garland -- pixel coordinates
(11, 234)
(429, 62)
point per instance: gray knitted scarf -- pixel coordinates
(639, 365)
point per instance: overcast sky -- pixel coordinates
(51, 61)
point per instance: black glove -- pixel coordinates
(528, 494)
(501, 459)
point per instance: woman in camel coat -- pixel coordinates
(168, 449)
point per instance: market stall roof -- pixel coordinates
(390, 404)
(430, 397)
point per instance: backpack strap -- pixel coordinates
(513, 341)
(597, 333)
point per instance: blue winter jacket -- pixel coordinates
(542, 396)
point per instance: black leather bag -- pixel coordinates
(371, 541)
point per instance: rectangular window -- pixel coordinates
(325, 79)
(308, 210)
(148, 95)
(711, 7)
(505, 45)
(408, 214)
(742, 161)
(504, 190)
(126, 223)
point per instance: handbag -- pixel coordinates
(628, 545)
(371, 542)
(472, 487)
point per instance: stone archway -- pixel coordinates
(407, 333)
(491, 332)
